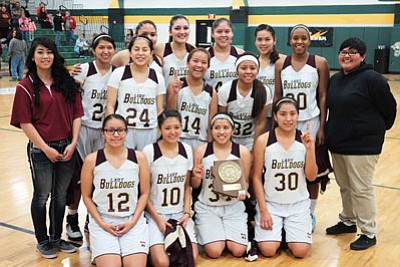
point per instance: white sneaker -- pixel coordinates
(251, 252)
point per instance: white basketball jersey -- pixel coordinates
(171, 63)
(137, 101)
(94, 94)
(303, 86)
(221, 72)
(207, 196)
(194, 110)
(168, 177)
(156, 65)
(240, 108)
(285, 181)
(267, 77)
(116, 190)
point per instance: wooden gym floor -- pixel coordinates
(17, 242)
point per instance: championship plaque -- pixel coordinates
(228, 177)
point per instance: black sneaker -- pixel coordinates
(341, 228)
(251, 252)
(73, 231)
(46, 250)
(363, 242)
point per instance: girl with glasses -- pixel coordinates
(115, 190)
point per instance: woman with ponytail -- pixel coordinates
(47, 107)
(174, 53)
(247, 100)
(304, 77)
(265, 42)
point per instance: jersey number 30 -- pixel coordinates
(291, 181)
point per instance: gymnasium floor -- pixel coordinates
(17, 241)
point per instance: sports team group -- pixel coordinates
(136, 134)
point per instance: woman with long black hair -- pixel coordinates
(47, 107)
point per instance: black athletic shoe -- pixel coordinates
(363, 242)
(87, 224)
(341, 228)
(73, 231)
(251, 251)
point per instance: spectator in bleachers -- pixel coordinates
(44, 19)
(11, 34)
(39, 8)
(4, 22)
(16, 12)
(128, 37)
(69, 26)
(58, 22)
(32, 29)
(16, 52)
(9, 6)
(23, 27)
(3, 3)
(82, 46)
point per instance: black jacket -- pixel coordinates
(361, 108)
(58, 23)
(178, 245)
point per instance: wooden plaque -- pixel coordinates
(229, 177)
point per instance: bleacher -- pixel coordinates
(67, 51)
(83, 25)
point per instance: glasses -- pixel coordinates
(350, 53)
(120, 131)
